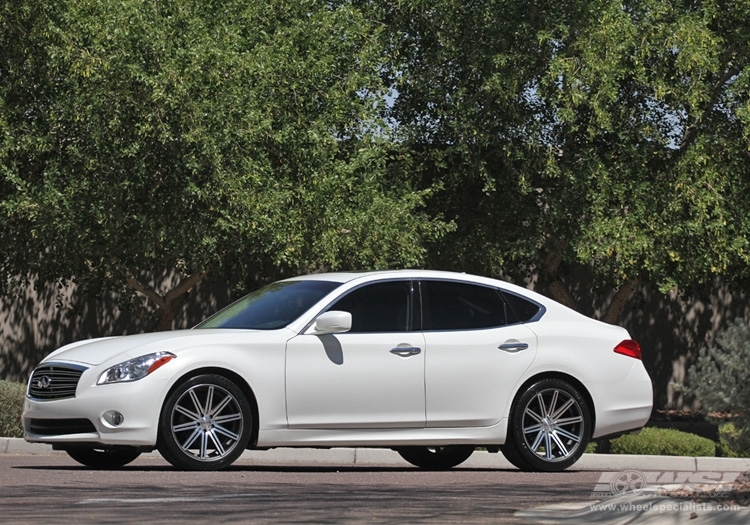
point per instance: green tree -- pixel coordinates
(148, 144)
(608, 134)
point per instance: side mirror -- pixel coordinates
(333, 322)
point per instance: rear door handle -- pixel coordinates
(406, 351)
(513, 347)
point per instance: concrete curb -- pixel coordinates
(376, 456)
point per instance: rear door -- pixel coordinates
(476, 352)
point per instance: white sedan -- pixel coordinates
(431, 364)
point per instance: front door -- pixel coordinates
(369, 377)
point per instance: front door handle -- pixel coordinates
(406, 351)
(513, 347)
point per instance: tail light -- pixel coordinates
(629, 348)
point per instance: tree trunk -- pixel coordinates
(620, 300)
(169, 303)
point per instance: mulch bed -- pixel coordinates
(739, 495)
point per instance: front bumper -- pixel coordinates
(87, 417)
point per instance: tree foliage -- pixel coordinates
(245, 139)
(139, 138)
(608, 134)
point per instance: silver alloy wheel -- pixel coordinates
(553, 425)
(207, 422)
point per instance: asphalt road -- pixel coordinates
(54, 489)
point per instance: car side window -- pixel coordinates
(521, 310)
(378, 307)
(450, 305)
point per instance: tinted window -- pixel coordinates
(460, 306)
(522, 309)
(271, 307)
(379, 307)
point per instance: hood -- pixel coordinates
(97, 351)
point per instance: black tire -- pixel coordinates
(205, 424)
(103, 458)
(550, 426)
(436, 458)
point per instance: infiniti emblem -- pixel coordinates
(44, 382)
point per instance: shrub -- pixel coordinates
(663, 442)
(719, 379)
(11, 406)
(729, 442)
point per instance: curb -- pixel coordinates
(381, 456)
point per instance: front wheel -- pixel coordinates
(103, 458)
(436, 458)
(205, 424)
(550, 426)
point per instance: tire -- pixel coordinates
(205, 424)
(103, 458)
(550, 426)
(436, 458)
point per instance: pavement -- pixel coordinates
(631, 489)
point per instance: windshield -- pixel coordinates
(271, 307)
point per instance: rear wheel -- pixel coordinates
(103, 458)
(550, 426)
(436, 458)
(205, 424)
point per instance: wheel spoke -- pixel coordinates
(563, 408)
(217, 443)
(532, 428)
(563, 450)
(204, 445)
(548, 446)
(533, 414)
(213, 411)
(569, 421)
(552, 404)
(187, 413)
(185, 426)
(540, 402)
(209, 400)
(226, 432)
(537, 441)
(569, 435)
(191, 439)
(196, 402)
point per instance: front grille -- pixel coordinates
(60, 427)
(54, 381)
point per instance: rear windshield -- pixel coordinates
(272, 307)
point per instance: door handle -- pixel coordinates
(513, 347)
(406, 351)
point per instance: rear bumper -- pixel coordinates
(622, 406)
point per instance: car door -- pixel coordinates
(474, 355)
(369, 377)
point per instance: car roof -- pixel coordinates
(346, 277)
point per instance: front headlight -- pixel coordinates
(135, 369)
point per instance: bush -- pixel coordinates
(719, 379)
(11, 406)
(663, 442)
(729, 442)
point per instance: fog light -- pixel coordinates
(113, 418)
